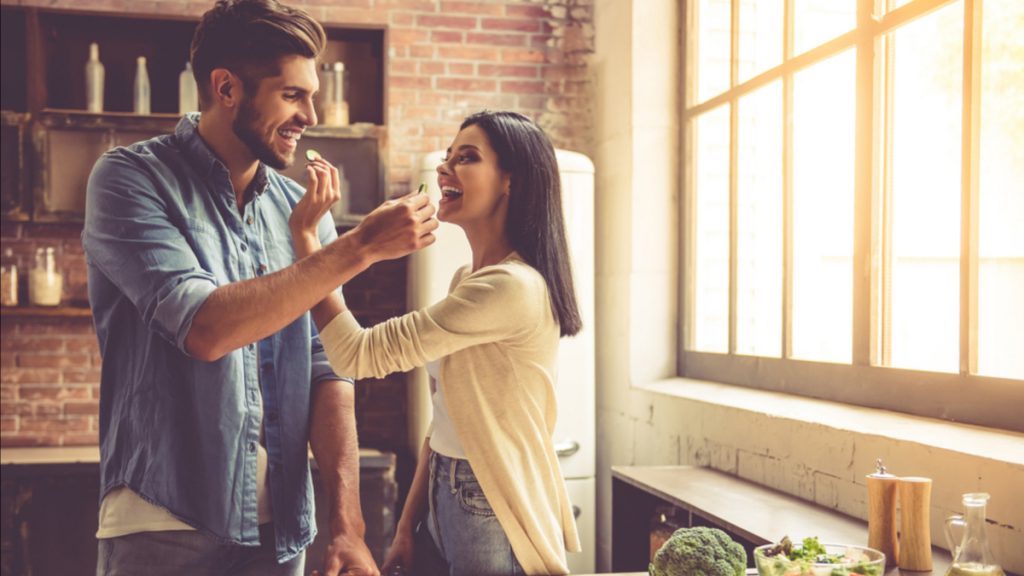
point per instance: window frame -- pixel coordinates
(964, 396)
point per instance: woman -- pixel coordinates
(488, 482)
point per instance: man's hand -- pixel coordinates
(348, 554)
(398, 227)
(322, 192)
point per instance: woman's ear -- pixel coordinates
(506, 183)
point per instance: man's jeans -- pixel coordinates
(180, 552)
(463, 525)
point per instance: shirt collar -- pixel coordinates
(203, 160)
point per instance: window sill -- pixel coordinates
(977, 441)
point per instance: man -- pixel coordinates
(214, 379)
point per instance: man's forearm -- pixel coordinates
(244, 312)
(335, 446)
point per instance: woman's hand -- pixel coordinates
(398, 561)
(322, 192)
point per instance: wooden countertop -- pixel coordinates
(59, 455)
(755, 512)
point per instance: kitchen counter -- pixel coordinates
(750, 513)
(61, 455)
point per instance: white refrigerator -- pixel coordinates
(430, 273)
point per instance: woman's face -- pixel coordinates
(474, 190)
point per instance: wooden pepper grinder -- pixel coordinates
(882, 535)
(915, 528)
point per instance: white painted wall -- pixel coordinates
(819, 451)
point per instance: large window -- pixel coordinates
(853, 208)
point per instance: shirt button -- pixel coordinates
(252, 446)
(249, 220)
(261, 269)
(244, 247)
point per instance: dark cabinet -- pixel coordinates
(50, 143)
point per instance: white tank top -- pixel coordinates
(443, 439)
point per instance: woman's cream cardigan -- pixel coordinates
(499, 342)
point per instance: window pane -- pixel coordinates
(759, 224)
(926, 146)
(818, 21)
(711, 284)
(823, 156)
(1001, 229)
(713, 43)
(760, 36)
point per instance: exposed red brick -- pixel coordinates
(91, 438)
(54, 393)
(525, 87)
(468, 53)
(523, 55)
(495, 39)
(402, 18)
(460, 22)
(52, 360)
(446, 36)
(396, 66)
(33, 343)
(30, 376)
(88, 408)
(506, 71)
(466, 84)
(410, 82)
(461, 69)
(513, 24)
(484, 8)
(408, 36)
(432, 67)
(421, 51)
(527, 11)
(28, 424)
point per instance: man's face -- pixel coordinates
(271, 121)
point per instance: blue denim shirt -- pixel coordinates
(163, 231)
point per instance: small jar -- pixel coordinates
(45, 282)
(9, 279)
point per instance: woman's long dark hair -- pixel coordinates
(535, 224)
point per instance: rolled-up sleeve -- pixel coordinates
(131, 240)
(321, 367)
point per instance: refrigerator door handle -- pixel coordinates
(567, 448)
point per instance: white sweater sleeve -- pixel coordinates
(492, 304)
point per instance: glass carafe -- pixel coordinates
(972, 556)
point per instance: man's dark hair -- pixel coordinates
(249, 37)
(535, 224)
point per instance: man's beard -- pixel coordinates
(243, 125)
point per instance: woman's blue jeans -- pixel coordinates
(463, 525)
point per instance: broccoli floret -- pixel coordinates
(699, 551)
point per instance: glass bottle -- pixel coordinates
(187, 97)
(972, 557)
(335, 109)
(141, 92)
(94, 80)
(9, 279)
(45, 282)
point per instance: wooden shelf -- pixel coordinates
(46, 312)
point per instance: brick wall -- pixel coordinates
(446, 60)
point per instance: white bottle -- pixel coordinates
(187, 97)
(141, 95)
(94, 80)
